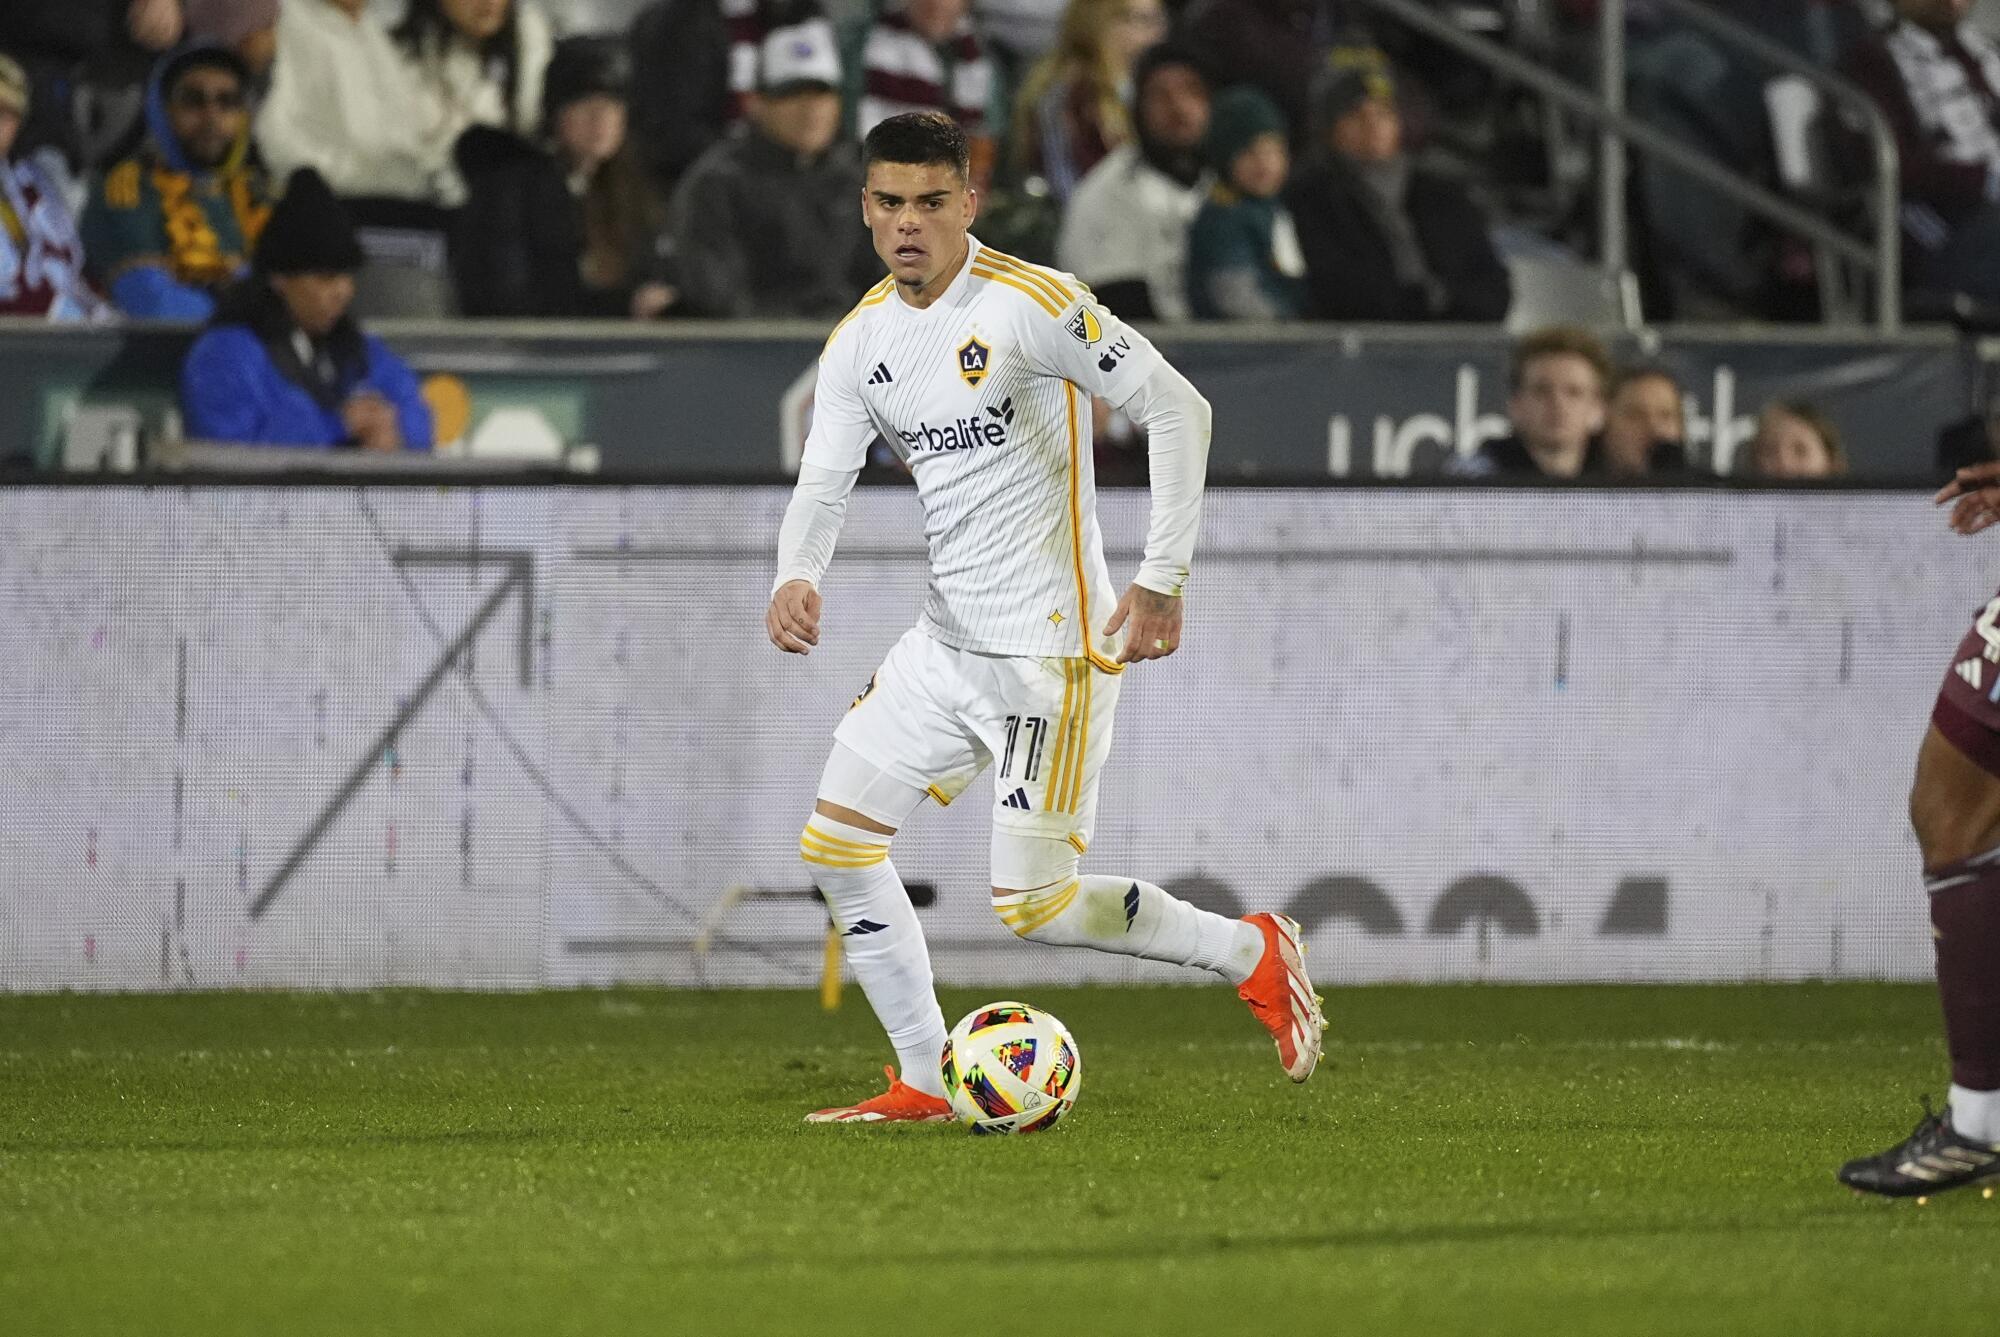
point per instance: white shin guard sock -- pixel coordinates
(1133, 918)
(1976, 1114)
(883, 941)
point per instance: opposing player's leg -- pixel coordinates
(885, 751)
(1051, 745)
(1955, 810)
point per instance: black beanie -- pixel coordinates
(585, 67)
(309, 231)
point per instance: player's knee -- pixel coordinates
(831, 846)
(1034, 877)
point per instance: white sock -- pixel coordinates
(1976, 1115)
(883, 941)
(1133, 918)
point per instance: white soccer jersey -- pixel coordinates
(986, 394)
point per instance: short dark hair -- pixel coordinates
(1559, 341)
(203, 58)
(920, 137)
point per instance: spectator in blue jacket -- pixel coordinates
(171, 227)
(283, 362)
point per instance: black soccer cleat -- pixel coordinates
(1932, 1159)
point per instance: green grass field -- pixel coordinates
(1589, 1160)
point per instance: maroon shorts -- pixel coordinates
(1968, 705)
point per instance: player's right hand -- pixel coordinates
(793, 617)
(1976, 489)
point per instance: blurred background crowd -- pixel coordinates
(1263, 160)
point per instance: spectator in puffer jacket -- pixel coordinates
(283, 363)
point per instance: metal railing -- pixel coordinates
(1881, 256)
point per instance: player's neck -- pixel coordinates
(920, 296)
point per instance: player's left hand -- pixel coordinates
(1976, 489)
(1154, 629)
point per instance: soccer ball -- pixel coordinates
(1011, 1068)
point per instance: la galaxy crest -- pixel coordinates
(973, 357)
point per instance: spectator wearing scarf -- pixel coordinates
(169, 228)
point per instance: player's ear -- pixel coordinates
(971, 205)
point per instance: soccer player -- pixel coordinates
(978, 369)
(1955, 808)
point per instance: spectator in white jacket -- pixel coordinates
(1125, 232)
(478, 62)
(345, 102)
(377, 113)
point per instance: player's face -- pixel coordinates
(1560, 404)
(1642, 414)
(919, 214)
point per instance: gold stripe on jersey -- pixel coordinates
(980, 271)
(1035, 273)
(1076, 533)
(1081, 846)
(1062, 736)
(872, 297)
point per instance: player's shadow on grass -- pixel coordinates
(457, 1137)
(1154, 1248)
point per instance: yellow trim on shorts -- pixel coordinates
(1078, 841)
(939, 795)
(1076, 534)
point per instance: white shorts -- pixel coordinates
(934, 717)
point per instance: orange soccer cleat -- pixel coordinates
(899, 1104)
(1282, 998)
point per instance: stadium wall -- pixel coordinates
(343, 737)
(703, 401)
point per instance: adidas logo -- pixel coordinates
(863, 927)
(881, 375)
(1017, 799)
(1971, 670)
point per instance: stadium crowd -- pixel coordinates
(1267, 160)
